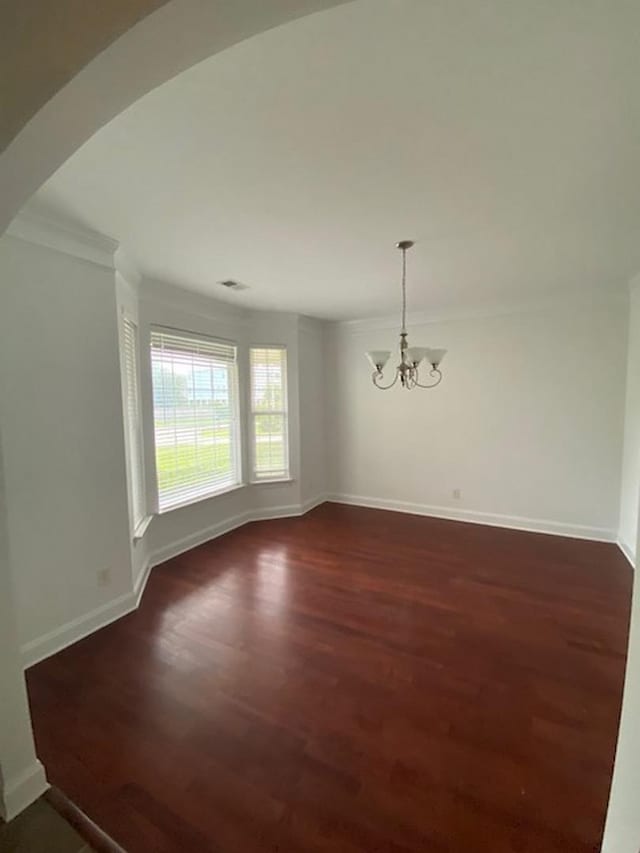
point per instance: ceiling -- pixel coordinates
(502, 136)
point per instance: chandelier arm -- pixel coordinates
(433, 372)
(375, 376)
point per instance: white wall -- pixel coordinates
(527, 422)
(22, 777)
(63, 437)
(630, 491)
(313, 454)
(622, 831)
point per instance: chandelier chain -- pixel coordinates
(404, 290)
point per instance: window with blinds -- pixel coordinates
(195, 410)
(269, 420)
(133, 423)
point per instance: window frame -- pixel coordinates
(134, 431)
(236, 418)
(286, 478)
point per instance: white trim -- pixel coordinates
(133, 439)
(58, 639)
(199, 538)
(141, 528)
(250, 431)
(290, 511)
(627, 550)
(233, 523)
(141, 582)
(66, 635)
(54, 641)
(22, 790)
(276, 482)
(69, 239)
(233, 487)
(567, 298)
(512, 522)
(312, 503)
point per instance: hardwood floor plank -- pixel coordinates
(354, 680)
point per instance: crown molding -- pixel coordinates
(61, 237)
(564, 299)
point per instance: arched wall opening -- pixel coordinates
(160, 45)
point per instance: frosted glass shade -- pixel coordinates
(378, 358)
(416, 354)
(435, 356)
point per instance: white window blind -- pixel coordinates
(133, 422)
(269, 420)
(195, 409)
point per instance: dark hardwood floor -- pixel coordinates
(354, 680)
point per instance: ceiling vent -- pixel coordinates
(230, 284)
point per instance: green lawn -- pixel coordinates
(174, 465)
(187, 461)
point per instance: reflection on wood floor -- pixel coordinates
(354, 680)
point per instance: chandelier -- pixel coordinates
(410, 357)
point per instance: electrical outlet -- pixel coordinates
(104, 577)
(457, 494)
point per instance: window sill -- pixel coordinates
(277, 482)
(141, 528)
(201, 498)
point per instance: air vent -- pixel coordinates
(230, 284)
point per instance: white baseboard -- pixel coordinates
(54, 641)
(232, 523)
(66, 635)
(312, 503)
(19, 792)
(69, 633)
(512, 522)
(199, 538)
(628, 552)
(291, 511)
(141, 582)
(269, 513)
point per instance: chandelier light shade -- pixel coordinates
(410, 357)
